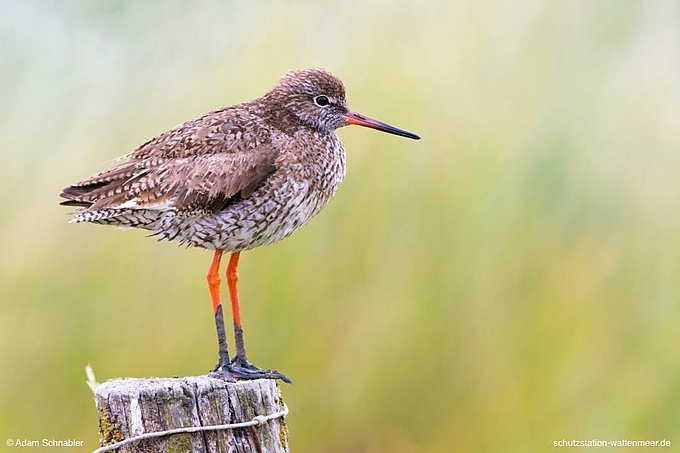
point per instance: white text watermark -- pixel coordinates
(24, 442)
(611, 443)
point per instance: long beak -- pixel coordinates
(366, 121)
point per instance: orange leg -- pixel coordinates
(213, 278)
(232, 281)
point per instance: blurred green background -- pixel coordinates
(510, 280)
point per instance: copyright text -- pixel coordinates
(44, 442)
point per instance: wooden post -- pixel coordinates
(131, 407)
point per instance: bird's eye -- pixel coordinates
(321, 101)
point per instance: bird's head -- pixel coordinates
(317, 98)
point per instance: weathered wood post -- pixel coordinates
(129, 408)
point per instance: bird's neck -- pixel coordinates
(275, 113)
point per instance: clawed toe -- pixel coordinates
(244, 370)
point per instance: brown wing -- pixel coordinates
(201, 164)
(202, 182)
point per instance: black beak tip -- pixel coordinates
(407, 134)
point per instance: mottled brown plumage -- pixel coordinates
(233, 179)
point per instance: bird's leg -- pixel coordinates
(241, 368)
(213, 278)
(232, 281)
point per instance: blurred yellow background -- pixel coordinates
(510, 280)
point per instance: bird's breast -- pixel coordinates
(305, 181)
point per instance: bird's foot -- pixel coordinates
(244, 370)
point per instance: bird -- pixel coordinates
(231, 180)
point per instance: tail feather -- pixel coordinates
(82, 204)
(141, 218)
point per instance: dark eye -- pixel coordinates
(321, 101)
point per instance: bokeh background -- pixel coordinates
(510, 280)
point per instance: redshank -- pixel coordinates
(231, 180)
